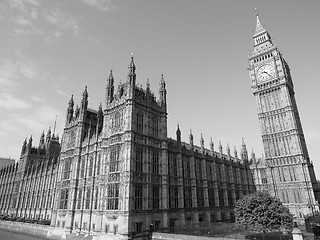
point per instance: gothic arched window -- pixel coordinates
(140, 122)
(155, 127)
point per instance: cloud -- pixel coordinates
(39, 18)
(61, 20)
(9, 102)
(29, 69)
(103, 5)
(8, 69)
(21, 4)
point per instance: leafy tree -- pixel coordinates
(261, 212)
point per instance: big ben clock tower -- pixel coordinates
(286, 171)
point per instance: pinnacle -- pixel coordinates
(259, 27)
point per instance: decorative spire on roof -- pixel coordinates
(235, 152)
(85, 94)
(24, 146)
(191, 138)
(132, 67)
(41, 142)
(201, 141)
(30, 142)
(220, 149)
(163, 91)
(211, 145)
(259, 27)
(148, 85)
(71, 103)
(178, 133)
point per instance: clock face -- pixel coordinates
(266, 72)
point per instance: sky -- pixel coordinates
(53, 49)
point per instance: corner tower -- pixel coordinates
(290, 174)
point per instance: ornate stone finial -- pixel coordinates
(228, 151)
(132, 67)
(163, 91)
(191, 138)
(71, 103)
(41, 142)
(235, 153)
(48, 137)
(211, 145)
(220, 148)
(148, 85)
(201, 141)
(24, 146)
(259, 27)
(85, 93)
(30, 142)
(178, 133)
(110, 78)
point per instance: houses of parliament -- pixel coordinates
(115, 171)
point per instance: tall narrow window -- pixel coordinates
(187, 197)
(88, 198)
(63, 198)
(155, 196)
(98, 164)
(174, 197)
(140, 122)
(79, 198)
(200, 197)
(113, 196)
(139, 159)
(114, 158)
(67, 168)
(155, 127)
(96, 198)
(209, 171)
(186, 168)
(90, 165)
(83, 166)
(138, 197)
(211, 197)
(173, 165)
(155, 161)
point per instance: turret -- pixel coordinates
(228, 152)
(24, 146)
(84, 101)
(202, 143)
(132, 72)
(178, 133)
(211, 146)
(220, 149)
(244, 152)
(100, 119)
(191, 139)
(41, 142)
(29, 143)
(163, 92)
(70, 110)
(148, 86)
(48, 136)
(235, 153)
(110, 88)
(253, 156)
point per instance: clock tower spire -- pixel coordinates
(289, 171)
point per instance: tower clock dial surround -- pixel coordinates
(265, 72)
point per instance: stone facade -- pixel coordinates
(28, 187)
(119, 172)
(286, 170)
